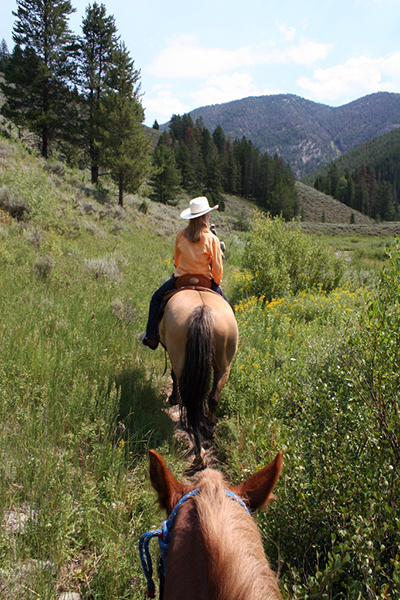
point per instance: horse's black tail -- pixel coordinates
(195, 381)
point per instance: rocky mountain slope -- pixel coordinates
(306, 134)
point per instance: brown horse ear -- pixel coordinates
(257, 489)
(169, 490)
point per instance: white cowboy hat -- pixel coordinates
(197, 208)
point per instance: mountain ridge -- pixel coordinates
(306, 134)
(374, 153)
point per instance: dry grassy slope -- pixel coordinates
(314, 204)
(336, 221)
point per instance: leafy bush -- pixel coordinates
(282, 260)
(377, 366)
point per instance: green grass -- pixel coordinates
(367, 249)
(81, 400)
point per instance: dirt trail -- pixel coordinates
(209, 454)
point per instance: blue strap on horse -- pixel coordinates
(164, 537)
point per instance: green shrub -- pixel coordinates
(282, 260)
(143, 207)
(241, 222)
(56, 167)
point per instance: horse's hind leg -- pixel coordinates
(220, 380)
(174, 396)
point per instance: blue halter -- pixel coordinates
(164, 537)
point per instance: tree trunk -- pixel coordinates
(121, 190)
(45, 148)
(95, 173)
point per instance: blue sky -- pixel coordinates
(193, 54)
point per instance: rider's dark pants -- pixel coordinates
(156, 301)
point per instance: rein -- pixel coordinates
(164, 537)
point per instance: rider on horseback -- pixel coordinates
(197, 252)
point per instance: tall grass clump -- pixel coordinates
(281, 260)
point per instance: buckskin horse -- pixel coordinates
(200, 333)
(211, 548)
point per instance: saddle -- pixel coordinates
(193, 280)
(187, 282)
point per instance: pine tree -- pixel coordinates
(20, 104)
(350, 191)
(361, 196)
(97, 45)
(125, 149)
(220, 140)
(39, 75)
(213, 179)
(4, 54)
(248, 159)
(232, 170)
(333, 181)
(176, 127)
(187, 169)
(166, 179)
(383, 204)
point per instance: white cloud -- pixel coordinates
(215, 75)
(185, 59)
(225, 88)
(356, 77)
(307, 52)
(163, 103)
(289, 33)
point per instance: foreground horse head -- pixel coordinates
(200, 333)
(213, 549)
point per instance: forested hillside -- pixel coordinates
(79, 96)
(304, 133)
(188, 155)
(317, 207)
(366, 178)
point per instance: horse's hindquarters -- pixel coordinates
(200, 333)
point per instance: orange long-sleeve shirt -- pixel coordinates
(202, 257)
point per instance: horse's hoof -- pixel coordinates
(200, 461)
(173, 400)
